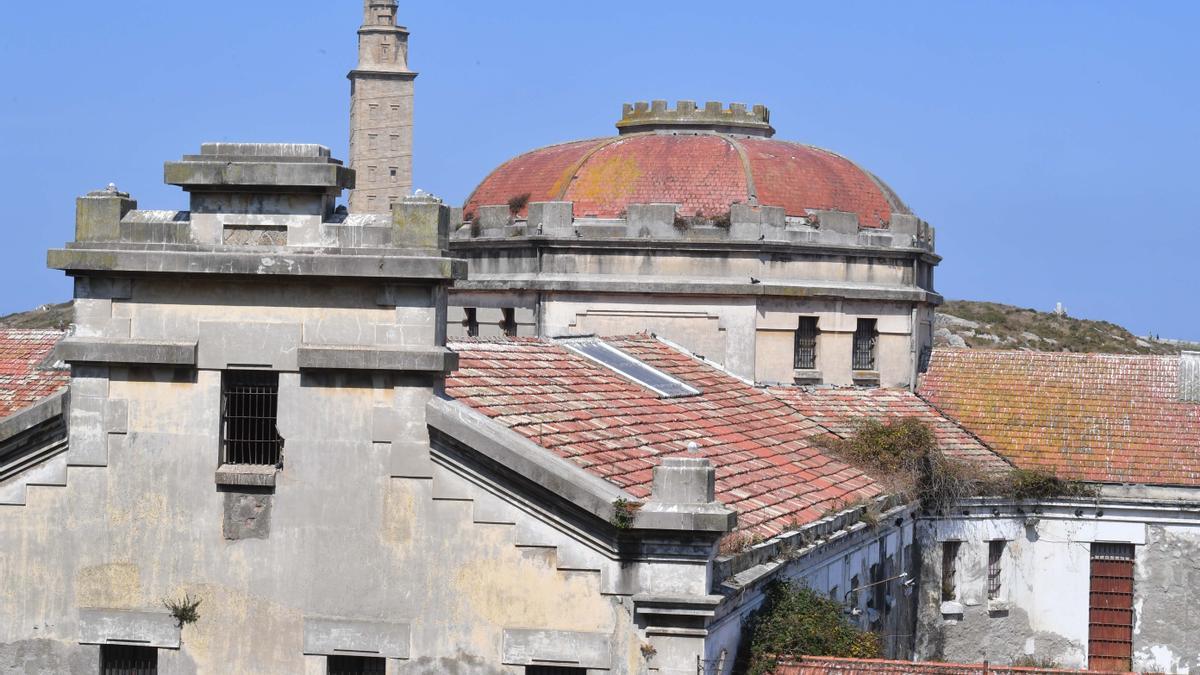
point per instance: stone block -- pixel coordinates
(126, 351)
(330, 637)
(231, 344)
(492, 220)
(406, 359)
(247, 515)
(110, 626)
(653, 221)
(548, 217)
(246, 475)
(581, 650)
(103, 288)
(421, 223)
(98, 215)
(903, 223)
(684, 480)
(837, 221)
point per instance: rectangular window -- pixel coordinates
(394, 171)
(995, 554)
(865, 338)
(950, 570)
(128, 660)
(249, 411)
(373, 112)
(355, 665)
(395, 141)
(806, 344)
(508, 325)
(1110, 611)
(372, 142)
(471, 322)
(386, 51)
(554, 670)
(371, 173)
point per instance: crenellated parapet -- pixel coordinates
(735, 118)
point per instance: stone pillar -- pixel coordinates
(98, 214)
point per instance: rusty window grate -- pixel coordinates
(355, 665)
(249, 411)
(995, 554)
(508, 325)
(471, 321)
(950, 570)
(865, 338)
(554, 670)
(128, 660)
(806, 344)
(1110, 610)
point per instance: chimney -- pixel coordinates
(1189, 377)
(684, 498)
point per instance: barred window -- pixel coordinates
(128, 660)
(355, 665)
(995, 554)
(806, 344)
(508, 325)
(249, 411)
(950, 570)
(865, 338)
(471, 321)
(554, 670)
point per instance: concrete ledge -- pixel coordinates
(403, 359)
(126, 351)
(251, 475)
(144, 629)
(331, 637)
(295, 263)
(28, 418)
(554, 647)
(510, 449)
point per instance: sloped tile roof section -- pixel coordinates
(27, 373)
(842, 411)
(824, 665)
(767, 467)
(1095, 417)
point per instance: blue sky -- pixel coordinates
(1053, 144)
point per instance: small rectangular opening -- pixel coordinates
(508, 325)
(249, 414)
(128, 660)
(471, 321)
(865, 338)
(950, 570)
(355, 665)
(806, 344)
(554, 670)
(995, 555)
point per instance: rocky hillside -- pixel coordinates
(990, 325)
(47, 316)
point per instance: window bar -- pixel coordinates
(949, 570)
(865, 337)
(806, 344)
(995, 553)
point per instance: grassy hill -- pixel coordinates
(990, 325)
(47, 316)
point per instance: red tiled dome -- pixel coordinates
(704, 172)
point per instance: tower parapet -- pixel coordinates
(714, 116)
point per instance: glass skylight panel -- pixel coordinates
(623, 364)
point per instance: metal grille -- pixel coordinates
(950, 570)
(554, 670)
(806, 343)
(1110, 611)
(865, 338)
(471, 322)
(509, 324)
(249, 410)
(356, 665)
(995, 553)
(128, 660)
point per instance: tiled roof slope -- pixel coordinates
(768, 470)
(25, 378)
(1094, 417)
(823, 665)
(841, 410)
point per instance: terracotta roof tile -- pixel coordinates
(767, 468)
(1095, 417)
(824, 665)
(25, 377)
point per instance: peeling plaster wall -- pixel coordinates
(364, 525)
(1042, 608)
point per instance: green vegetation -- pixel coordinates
(796, 621)
(623, 512)
(184, 610)
(1006, 327)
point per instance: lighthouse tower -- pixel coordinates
(381, 111)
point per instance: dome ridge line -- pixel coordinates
(751, 187)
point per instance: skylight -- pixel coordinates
(598, 351)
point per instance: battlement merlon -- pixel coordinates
(737, 118)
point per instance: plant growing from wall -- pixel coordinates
(517, 203)
(623, 512)
(796, 621)
(184, 611)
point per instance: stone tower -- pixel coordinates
(381, 111)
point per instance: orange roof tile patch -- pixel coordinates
(1094, 417)
(824, 665)
(768, 470)
(25, 375)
